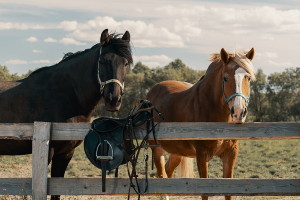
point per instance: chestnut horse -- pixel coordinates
(221, 95)
(66, 92)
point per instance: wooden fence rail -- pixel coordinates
(42, 132)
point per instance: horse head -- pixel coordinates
(237, 75)
(115, 57)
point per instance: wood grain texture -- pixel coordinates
(40, 149)
(16, 131)
(184, 187)
(171, 131)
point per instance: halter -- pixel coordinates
(103, 83)
(236, 94)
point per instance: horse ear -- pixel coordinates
(224, 56)
(104, 37)
(126, 36)
(250, 54)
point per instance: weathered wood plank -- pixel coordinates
(15, 186)
(69, 131)
(196, 131)
(40, 149)
(185, 187)
(211, 130)
(175, 131)
(16, 131)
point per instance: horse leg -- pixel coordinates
(60, 161)
(173, 162)
(159, 161)
(202, 164)
(229, 159)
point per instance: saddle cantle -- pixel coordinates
(109, 142)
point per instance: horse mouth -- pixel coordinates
(238, 121)
(114, 107)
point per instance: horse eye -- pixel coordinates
(225, 79)
(126, 64)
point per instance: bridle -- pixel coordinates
(103, 83)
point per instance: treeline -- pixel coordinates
(273, 98)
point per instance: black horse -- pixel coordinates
(66, 92)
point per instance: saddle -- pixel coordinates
(110, 141)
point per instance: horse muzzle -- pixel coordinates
(113, 102)
(238, 114)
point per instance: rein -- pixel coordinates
(103, 83)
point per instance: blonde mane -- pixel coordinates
(239, 57)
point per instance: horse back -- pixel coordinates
(167, 97)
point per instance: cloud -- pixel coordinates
(32, 39)
(154, 60)
(281, 64)
(68, 41)
(21, 26)
(65, 40)
(25, 62)
(36, 51)
(200, 27)
(40, 61)
(50, 39)
(145, 34)
(16, 62)
(267, 54)
(69, 25)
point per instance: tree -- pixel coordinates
(6, 76)
(139, 67)
(258, 104)
(283, 93)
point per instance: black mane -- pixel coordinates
(71, 55)
(116, 45)
(119, 46)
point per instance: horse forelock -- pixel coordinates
(239, 57)
(120, 47)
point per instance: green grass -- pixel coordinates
(257, 159)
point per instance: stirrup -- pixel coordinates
(110, 151)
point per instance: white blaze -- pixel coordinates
(239, 75)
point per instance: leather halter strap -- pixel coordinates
(227, 99)
(236, 94)
(103, 83)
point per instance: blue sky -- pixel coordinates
(38, 33)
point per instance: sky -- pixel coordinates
(35, 33)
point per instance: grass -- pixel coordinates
(257, 159)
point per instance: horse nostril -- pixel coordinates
(245, 112)
(110, 96)
(232, 111)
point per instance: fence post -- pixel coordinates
(40, 151)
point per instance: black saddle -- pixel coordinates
(109, 143)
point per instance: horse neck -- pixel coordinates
(83, 74)
(209, 99)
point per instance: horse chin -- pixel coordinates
(112, 108)
(239, 121)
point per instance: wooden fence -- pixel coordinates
(42, 132)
